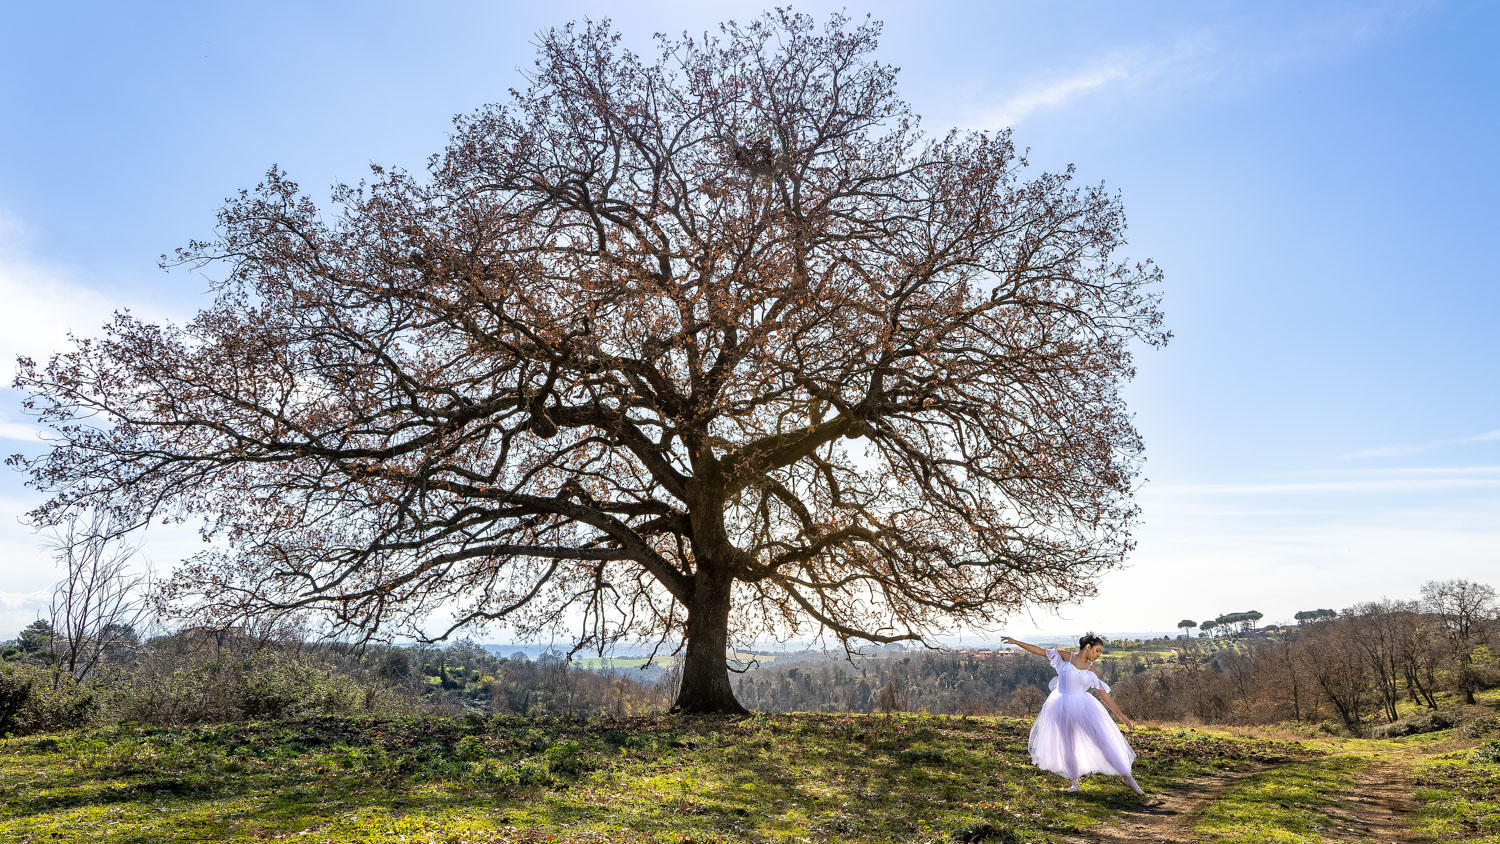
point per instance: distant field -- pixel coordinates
(596, 663)
(1120, 653)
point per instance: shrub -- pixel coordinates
(15, 693)
(562, 759)
(267, 685)
(1487, 752)
(1480, 726)
(34, 699)
(1423, 722)
(470, 748)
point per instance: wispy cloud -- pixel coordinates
(1326, 538)
(1221, 58)
(18, 609)
(1051, 93)
(1419, 448)
(1419, 479)
(13, 430)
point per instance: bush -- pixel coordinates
(1488, 752)
(15, 693)
(1480, 726)
(1423, 722)
(562, 759)
(470, 748)
(267, 685)
(34, 699)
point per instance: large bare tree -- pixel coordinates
(689, 349)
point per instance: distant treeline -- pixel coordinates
(1357, 668)
(956, 683)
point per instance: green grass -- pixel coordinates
(1457, 778)
(1289, 804)
(597, 663)
(1455, 774)
(1460, 795)
(1158, 654)
(766, 778)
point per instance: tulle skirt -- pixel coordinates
(1074, 735)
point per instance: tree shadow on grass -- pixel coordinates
(828, 777)
(843, 778)
(249, 811)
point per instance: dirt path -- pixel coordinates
(1168, 817)
(1379, 802)
(1381, 799)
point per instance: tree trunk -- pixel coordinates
(1466, 679)
(705, 671)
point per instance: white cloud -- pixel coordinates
(18, 609)
(13, 430)
(24, 600)
(1369, 485)
(43, 302)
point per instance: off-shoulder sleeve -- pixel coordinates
(1054, 658)
(1098, 682)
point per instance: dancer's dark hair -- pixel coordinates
(1089, 639)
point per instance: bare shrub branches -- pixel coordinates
(100, 603)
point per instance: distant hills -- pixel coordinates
(796, 651)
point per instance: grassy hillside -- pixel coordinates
(767, 778)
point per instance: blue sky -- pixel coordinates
(1317, 181)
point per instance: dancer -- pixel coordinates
(1073, 735)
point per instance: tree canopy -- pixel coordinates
(687, 350)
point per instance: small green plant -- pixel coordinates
(563, 759)
(470, 748)
(1488, 753)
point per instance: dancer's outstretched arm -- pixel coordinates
(1110, 703)
(1032, 648)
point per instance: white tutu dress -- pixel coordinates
(1074, 734)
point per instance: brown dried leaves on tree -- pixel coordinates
(701, 347)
